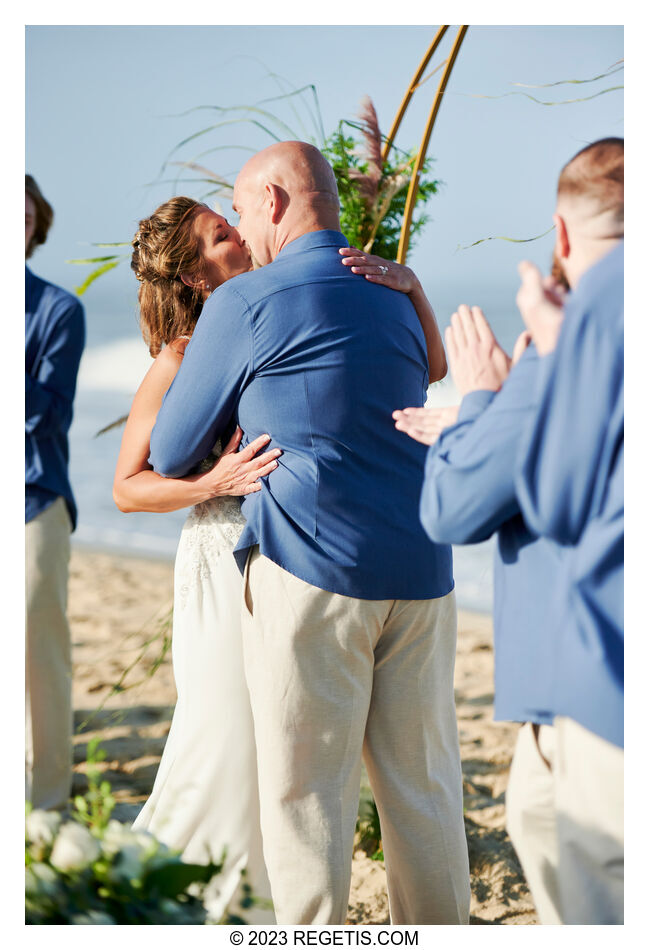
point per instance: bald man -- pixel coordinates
(349, 617)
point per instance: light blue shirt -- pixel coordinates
(570, 485)
(469, 494)
(319, 358)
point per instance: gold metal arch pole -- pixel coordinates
(411, 88)
(404, 240)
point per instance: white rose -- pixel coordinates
(117, 836)
(74, 848)
(41, 826)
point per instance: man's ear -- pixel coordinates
(562, 240)
(277, 200)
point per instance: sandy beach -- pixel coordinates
(118, 606)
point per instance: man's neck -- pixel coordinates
(306, 224)
(590, 253)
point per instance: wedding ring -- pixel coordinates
(383, 269)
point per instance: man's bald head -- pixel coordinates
(286, 190)
(297, 167)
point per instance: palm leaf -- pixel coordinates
(563, 82)
(81, 289)
(93, 260)
(211, 176)
(465, 247)
(112, 425)
(219, 125)
(541, 102)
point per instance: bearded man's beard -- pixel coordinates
(558, 273)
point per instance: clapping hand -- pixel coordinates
(540, 301)
(477, 362)
(425, 425)
(476, 359)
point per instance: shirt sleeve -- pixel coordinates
(561, 465)
(49, 393)
(468, 488)
(217, 364)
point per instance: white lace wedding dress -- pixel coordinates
(205, 797)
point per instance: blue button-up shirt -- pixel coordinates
(469, 494)
(54, 340)
(571, 486)
(318, 357)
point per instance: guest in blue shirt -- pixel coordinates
(469, 493)
(570, 483)
(349, 616)
(54, 340)
(542, 666)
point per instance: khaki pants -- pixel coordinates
(565, 816)
(532, 817)
(48, 666)
(332, 678)
(590, 825)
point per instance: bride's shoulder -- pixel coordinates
(171, 356)
(178, 346)
(164, 367)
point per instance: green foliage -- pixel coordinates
(161, 637)
(95, 808)
(375, 224)
(106, 263)
(96, 870)
(368, 828)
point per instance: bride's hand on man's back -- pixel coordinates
(238, 473)
(378, 270)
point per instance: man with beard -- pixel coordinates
(571, 491)
(470, 492)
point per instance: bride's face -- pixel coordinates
(223, 253)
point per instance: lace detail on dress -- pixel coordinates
(212, 528)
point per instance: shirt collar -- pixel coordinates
(324, 238)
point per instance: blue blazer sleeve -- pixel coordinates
(216, 366)
(468, 488)
(49, 394)
(565, 456)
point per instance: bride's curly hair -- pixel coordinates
(165, 247)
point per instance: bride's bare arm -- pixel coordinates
(402, 278)
(136, 486)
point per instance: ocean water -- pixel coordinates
(112, 367)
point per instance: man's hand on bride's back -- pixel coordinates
(378, 270)
(238, 473)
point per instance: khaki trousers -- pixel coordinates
(332, 678)
(590, 825)
(565, 816)
(48, 664)
(532, 817)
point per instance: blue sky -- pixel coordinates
(104, 103)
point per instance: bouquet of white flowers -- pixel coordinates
(107, 875)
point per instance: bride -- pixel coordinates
(205, 796)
